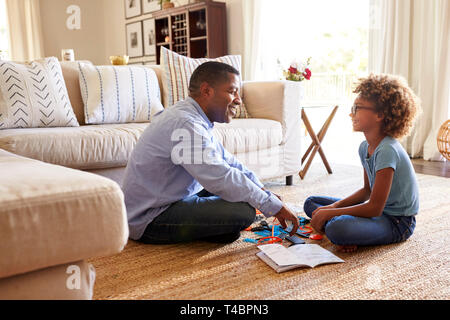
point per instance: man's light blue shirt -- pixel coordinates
(176, 157)
(403, 198)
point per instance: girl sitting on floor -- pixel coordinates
(383, 211)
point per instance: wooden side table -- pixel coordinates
(316, 141)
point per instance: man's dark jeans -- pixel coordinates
(203, 216)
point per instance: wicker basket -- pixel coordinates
(443, 139)
(167, 5)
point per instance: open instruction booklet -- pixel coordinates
(283, 259)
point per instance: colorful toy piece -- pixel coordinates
(274, 233)
(269, 240)
(316, 237)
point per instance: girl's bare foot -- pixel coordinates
(347, 248)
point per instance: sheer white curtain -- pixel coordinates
(411, 38)
(251, 17)
(264, 38)
(25, 30)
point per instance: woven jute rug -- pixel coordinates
(415, 269)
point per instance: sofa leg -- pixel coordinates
(289, 180)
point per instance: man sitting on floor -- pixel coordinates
(180, 183)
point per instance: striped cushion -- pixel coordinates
(119, 94)
(34, 95)
(177, 71)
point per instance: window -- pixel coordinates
(335, 34)
(4, 43)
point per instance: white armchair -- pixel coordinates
(270, 142)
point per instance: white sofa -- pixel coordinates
(268, 143)
(53, 217)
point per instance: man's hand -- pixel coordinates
(286, 215)
(272, 193)
(277, 196)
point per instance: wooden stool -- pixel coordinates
(316, 142)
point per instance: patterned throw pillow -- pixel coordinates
(119, 94)
(177, 71)
(34, 95)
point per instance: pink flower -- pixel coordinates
(307, 74)
(292, 70)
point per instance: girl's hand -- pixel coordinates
(330, 206)
(320, 218)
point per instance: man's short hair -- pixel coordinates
(212, 72)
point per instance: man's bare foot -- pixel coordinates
(347, 248)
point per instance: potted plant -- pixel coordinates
(166, 4)
(298, 72)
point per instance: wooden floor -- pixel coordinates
(434, 168)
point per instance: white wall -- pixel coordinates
(235, 27)
(102, 30)
(88, 42)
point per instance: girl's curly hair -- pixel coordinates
(394, 99)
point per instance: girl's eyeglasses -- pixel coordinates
(355, 108)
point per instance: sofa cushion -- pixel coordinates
(119, 94)
(71, 77)
(110, 145)
(247, 135)
(85, 147)
(52, 215)
(177, 71)
(34, 95)
(51, 283)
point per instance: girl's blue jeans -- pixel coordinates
(349, 230)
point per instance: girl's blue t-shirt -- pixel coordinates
(403, 198)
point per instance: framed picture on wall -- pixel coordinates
(150, 6)
(148, 27)
(134, 39)
(132, 8)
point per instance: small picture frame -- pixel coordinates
(132, 8)
(150, 6)
(149, 37)
(134, 39)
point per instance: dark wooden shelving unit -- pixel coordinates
(197, 30)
